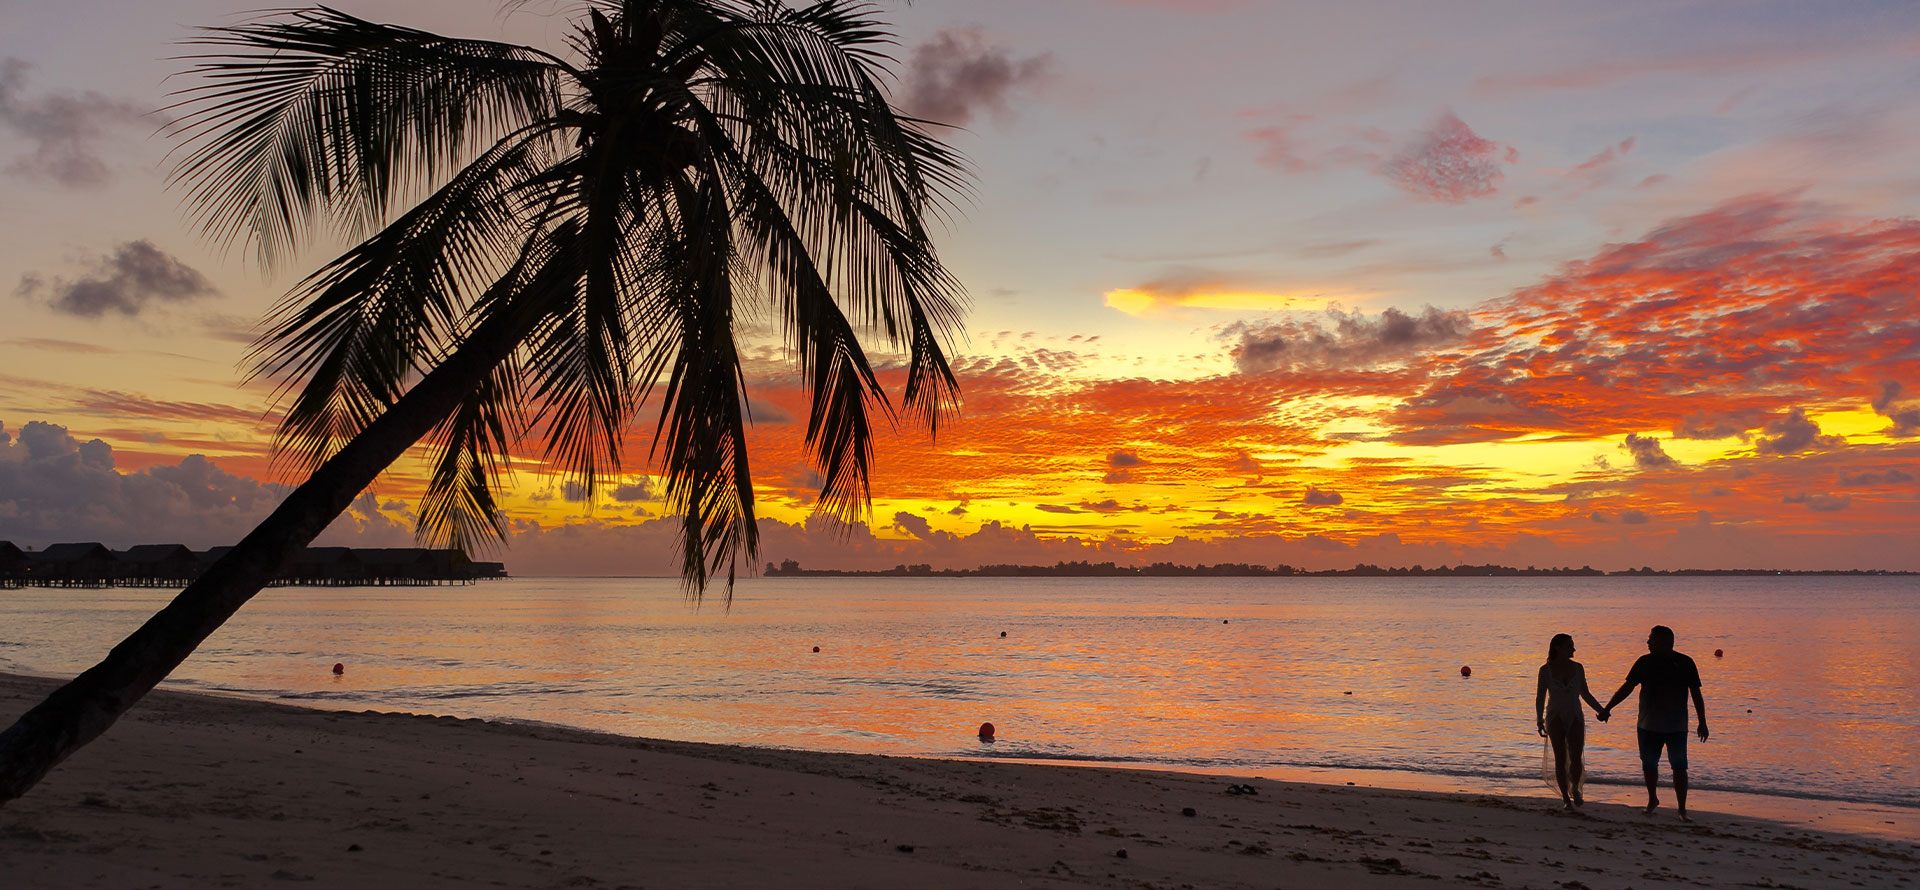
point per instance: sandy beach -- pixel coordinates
(203, 791)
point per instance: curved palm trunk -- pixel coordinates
(80, 711)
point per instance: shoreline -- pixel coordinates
(1893, 821)
(192, 790)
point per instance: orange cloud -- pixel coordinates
(1724, 390)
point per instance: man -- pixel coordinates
(1665, 678)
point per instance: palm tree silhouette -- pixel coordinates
(586, 232)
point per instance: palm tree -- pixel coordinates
(587, 232)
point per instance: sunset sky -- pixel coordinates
(1394, 282)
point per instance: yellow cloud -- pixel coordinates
(1143, 301)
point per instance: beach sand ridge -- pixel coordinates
(194, 791)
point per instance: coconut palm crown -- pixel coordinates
(583, 235)
(616, 213)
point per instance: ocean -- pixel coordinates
(1817, 694)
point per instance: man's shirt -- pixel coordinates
(1665, 680)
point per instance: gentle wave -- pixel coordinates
(1910, 798)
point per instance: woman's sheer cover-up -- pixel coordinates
(1563, 709)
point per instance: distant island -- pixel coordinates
(1083, 569)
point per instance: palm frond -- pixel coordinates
(469, 459)
(702, 434)
(471, 446)
(840, 382)
(582, 358)
(345, 341)
(830, 187)
(605, 218)
(315, 114)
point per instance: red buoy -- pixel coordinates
(339, 668)
(816, 648)
(1719, 653)
(1466, 671)
(986, 732)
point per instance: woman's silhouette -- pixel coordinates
(1556, 705)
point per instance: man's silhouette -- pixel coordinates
(1665, 678)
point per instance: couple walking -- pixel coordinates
(1666, 679)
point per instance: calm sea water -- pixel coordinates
(1818, 694)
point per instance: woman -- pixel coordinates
(1556, 707)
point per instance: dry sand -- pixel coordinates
(196, 791)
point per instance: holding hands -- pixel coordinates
(1602, 714)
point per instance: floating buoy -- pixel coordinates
(1719, 653)
(816, 648)
(986, 732)
(1224, 621)
(339, 668)
(1466, 671)
(1003, 633)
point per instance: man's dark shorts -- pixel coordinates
(1674, 742)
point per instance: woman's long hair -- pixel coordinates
(1553, 645)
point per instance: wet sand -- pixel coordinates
(192, 791)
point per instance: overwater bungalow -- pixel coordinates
(156, 565)
(326, 567)
(173, 565)
(413, 566)
(13, 565)
(72, 565)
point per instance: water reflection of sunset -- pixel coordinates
(1814, 697)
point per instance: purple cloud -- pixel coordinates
(1905, 417)
(1448, 163)
(1318, 498)
(1792, 434)
(138, 275)
(63, 128)
(1647, 453)
(957, 74)
(1355, 341)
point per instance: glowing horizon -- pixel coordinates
(1364, 301)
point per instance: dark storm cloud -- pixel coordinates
(1819, 502)
(1111, 505)
(1905, 417)
(1792, 434)
(1120, 466)
(916, 526)
(138, 275)
(1875, 478)
(1354, 341)
(1318, 498)
(1716, 426)
(54, 487)
(1647, 453)
(63, 128)
(640, 490)
(958, 74)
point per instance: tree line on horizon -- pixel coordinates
(789, 568)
